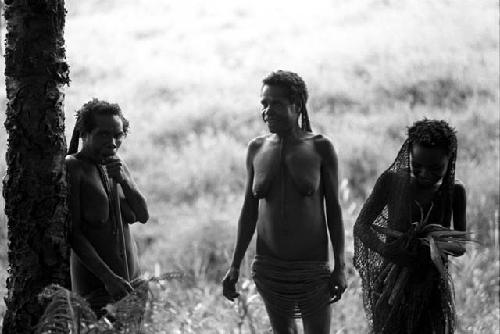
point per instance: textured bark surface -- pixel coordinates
(34, 188)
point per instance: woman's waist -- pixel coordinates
(292, 248)
(115, 260)
(112, 247)
(296, 218)
(270, 259)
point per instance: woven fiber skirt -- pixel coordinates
(292, 288)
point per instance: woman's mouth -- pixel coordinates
(273, 122)
(425, 181)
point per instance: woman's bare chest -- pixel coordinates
(278, 164)
(94, 200)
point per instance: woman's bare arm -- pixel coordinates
(329, 176)
(246, 228)
(249, 211)
(459, 207)
(118, 170)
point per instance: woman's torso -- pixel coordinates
(99, 227)
(287, 181)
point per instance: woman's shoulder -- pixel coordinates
(324, 146)
(73, 163)
(403, 174)
(459, 188)
(258, 141)
(394, 180)
(317, 137)
(75, 169)
(459, 184)
(77, 166)
(320, 141)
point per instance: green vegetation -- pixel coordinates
(188, 77)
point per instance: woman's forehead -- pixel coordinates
(274, 91)
(427, 154)
(108, 122)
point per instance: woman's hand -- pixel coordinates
(407, 252)
(229, 284)
(116, 169)
(398, 252)
(338, 284)
(117, 287)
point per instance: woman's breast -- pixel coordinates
(260, 188)
(95, 208)
(286, 185)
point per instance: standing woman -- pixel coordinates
(291, 198)
(404, 290)
(104, 201)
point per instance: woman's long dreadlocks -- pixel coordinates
(85, 120)
(297, 92)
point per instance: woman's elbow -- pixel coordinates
(142, 217)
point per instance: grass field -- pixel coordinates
(187, 74)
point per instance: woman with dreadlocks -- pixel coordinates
(403, 290)
(291, 182)
(104, 200)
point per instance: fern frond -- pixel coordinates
(66, 312)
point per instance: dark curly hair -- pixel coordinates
(296, 91)
(85, 119)
(433, 133)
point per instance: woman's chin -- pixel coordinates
(277, 129)
(426, 183)
(107, 155)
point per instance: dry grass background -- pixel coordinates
(187, 74)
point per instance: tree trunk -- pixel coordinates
(34, 188)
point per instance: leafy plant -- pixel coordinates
(67, 312)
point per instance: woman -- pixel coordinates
(291, 182)
(104, 200)
(404, 290)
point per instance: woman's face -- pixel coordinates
(428, 164)
(105, 138)
(279, 112)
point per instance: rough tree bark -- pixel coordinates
(34, 188)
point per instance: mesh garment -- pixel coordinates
(426, 302)
(292, 289)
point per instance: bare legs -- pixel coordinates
(317, 323)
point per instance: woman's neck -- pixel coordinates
(290, 134)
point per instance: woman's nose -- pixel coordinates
(425, 173)
(269, 111)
